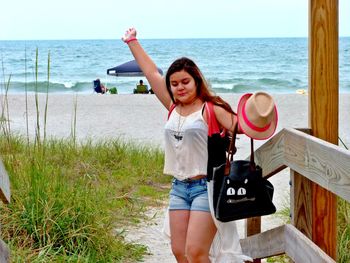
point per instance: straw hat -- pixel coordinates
(257, 115)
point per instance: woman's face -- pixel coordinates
(183, 87)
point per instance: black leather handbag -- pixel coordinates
(239, 190)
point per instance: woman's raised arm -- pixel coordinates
(148, 67)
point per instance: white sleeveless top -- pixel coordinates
(186, 145)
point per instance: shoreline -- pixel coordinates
(88, 92)
(138, 117)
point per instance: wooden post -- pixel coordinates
(253, 227)
(323, 110)
(5, 193)
(301, 203)
(4, 252)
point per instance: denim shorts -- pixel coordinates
(191, 195)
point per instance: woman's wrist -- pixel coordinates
(130, 40)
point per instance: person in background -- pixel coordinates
(184, 93)
(140, 83)
(141, 88)
(99, 87)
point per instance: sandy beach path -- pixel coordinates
(141, 118)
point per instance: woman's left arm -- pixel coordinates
(226, 119)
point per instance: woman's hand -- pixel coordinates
(130, 34)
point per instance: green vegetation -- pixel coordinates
(343, 223)
(343, 231)
(67, 204)
(113, 90)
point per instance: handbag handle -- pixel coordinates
(232, 151)
(232, 147)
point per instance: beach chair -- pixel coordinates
(113, 90)
(141, 89)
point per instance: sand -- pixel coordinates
(140, 118)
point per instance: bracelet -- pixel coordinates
(129, 40)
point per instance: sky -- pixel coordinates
(108, 19)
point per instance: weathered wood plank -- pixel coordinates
(253, 226)
(266, 244)
(270, 156)
(323, 163)
(4, 252)
(5, 194)
(284, 239)
(301, 249)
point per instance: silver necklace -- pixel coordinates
(180, 124)
(178, 134)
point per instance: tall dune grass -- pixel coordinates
(37, 127)
(4, 118)
(343, 231)
(47, 96)
(68, 205)
(26, 95)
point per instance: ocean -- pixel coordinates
(276, 65)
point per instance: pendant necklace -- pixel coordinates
(180, 123)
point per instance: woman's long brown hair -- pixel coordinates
(203, 90)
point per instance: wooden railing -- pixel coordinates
(323, 163)
(5, 196)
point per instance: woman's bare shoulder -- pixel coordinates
(225, 118)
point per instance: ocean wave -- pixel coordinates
(239, 85)
(51, 87)
(275, 82)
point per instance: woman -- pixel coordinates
(184, 93)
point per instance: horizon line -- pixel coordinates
(171, 38)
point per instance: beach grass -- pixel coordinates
(72, 204)
(343, 231)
